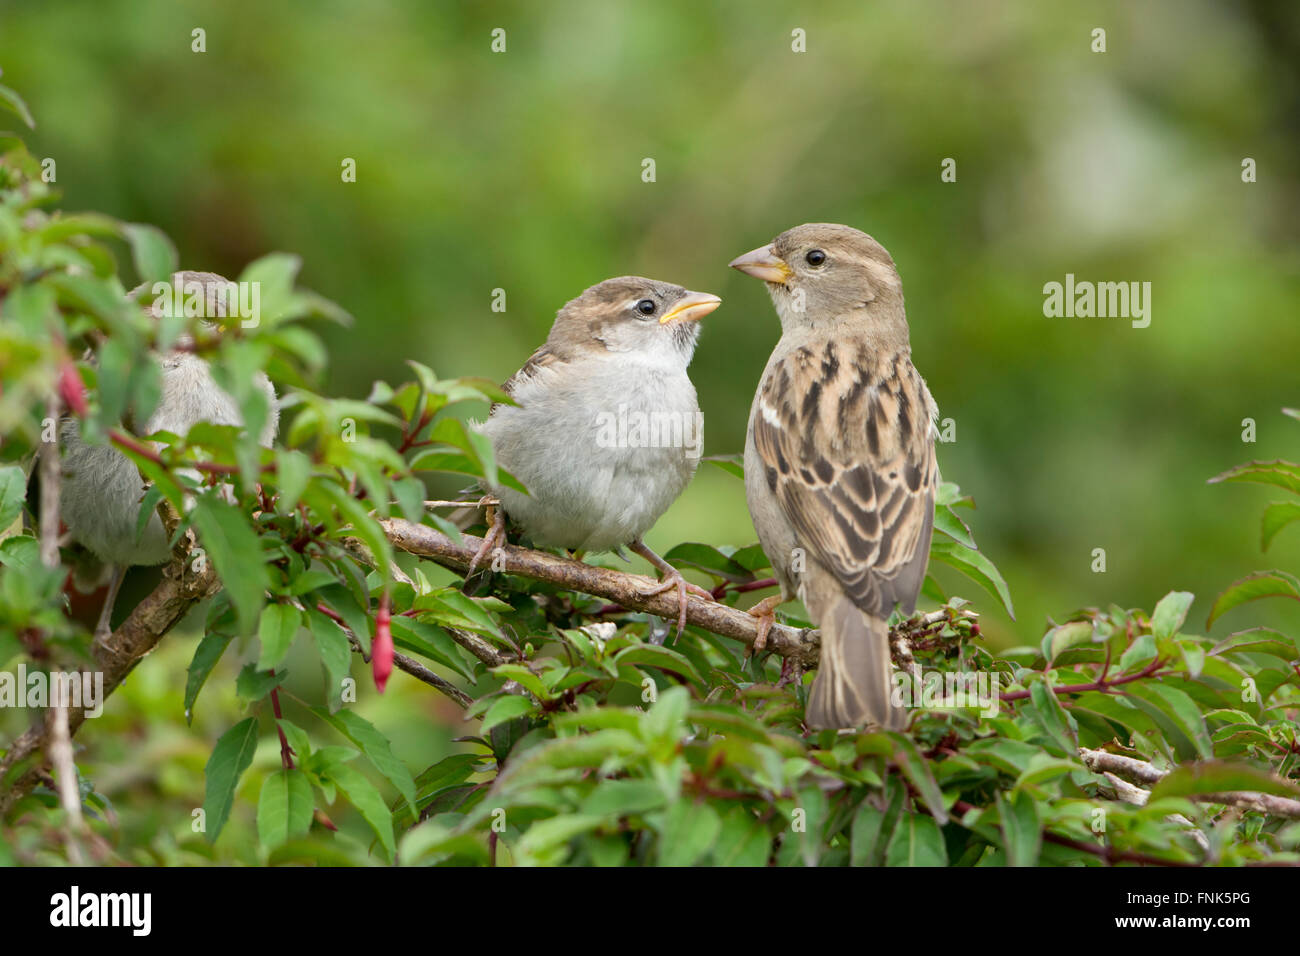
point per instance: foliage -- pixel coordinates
(599, 741)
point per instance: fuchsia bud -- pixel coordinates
(71, 388)
(381, 648)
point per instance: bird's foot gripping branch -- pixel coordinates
(594, 734)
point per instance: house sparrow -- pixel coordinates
(840, 471)
(606, 432)
(101, 487)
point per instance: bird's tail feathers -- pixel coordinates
(853, 684)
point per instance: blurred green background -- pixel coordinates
(522, 171)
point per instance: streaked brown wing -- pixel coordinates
(845, 439)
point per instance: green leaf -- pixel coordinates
(1170, 613)
(1276, 517)
(1138, 654)
(377, 749)
(976, 567)
(1280, 474)
(343, 603)
(275, 274)
(335, 651)
(230, 758)
(708, 559)
(506, 708)
(368, 801)
(284, 809)
(871, 829)
(687, 832)
(152, 252)
(743, 840)
(1169, 705)
(622, 798)
(12, 102)
(450, 606)
(1260, 640)
(13, 491)
(525, 678)
(609, 749)
(917, 771)
(1043, 767)
(732, 464)
(293, 471)
(1052, 717)
(1021, 829)
(1066, 636)
(1252, 587)
(236, 553)
(547, 842)
(20, 551)
(206, 655)
(431, 641)
(276, 631)
(917, 842)
(947, 522)
(663, 658)
(1220, 777)
(666, 718)
(252, 685)
(447, 772)
(864, 833)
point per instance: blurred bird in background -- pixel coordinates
(102, 488)
(840, 471)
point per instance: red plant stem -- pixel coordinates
(409, 437)
(330, 613)
(759, 585)
(286, 753)
(1148, 671)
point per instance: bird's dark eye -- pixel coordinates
(815, 257)
(646, 307)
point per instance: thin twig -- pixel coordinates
(466, 503)
(1101, 761)
(59, 746)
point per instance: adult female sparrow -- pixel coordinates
(101, 487)
(840, 469)
(607, 430)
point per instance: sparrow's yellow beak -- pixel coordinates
(695, 306)
(763, 263)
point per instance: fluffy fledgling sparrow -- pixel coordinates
(840, 470)
(606, 432)
(102, 488)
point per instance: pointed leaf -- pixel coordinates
(1170, 613)
(1252, 587)
(976, 567)
(230, 758)
(284, 809)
